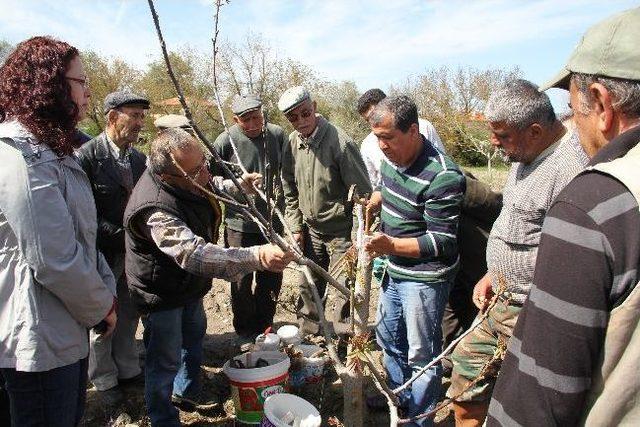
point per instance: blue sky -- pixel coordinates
(375, 43)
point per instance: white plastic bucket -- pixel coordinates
(268, 342)
(277, 407)
(250, 387)
(309, 370)
(289, 334)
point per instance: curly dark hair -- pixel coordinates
(34, 91)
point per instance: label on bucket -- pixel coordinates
(248, 398)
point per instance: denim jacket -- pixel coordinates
(54, 284)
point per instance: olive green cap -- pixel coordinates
(610, 48)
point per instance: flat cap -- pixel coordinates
(121, 98)
(242, 104)
(293, 97)
(172, 121)
(609, 49)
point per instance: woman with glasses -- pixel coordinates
(54, 284)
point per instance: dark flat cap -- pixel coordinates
(122, 98)
(242, 104)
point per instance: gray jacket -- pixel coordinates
(54, 284)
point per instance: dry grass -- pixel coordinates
(496, 179)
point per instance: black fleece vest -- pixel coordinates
(156, 281)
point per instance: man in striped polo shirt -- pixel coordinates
(422, 191)
(575, 353)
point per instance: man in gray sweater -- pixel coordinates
(259, 148)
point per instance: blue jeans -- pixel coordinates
(53, 398)
(173, 343)
(409, 331)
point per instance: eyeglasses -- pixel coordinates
(195, 174)
(304, 114)
(204, 166)
(84, 82)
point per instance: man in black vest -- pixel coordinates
(113, 167)
(171, 230)
(259, 147)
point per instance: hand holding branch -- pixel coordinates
(378, 244)
(374, 204)
(273, 258)
(483, 292)
(250, 181)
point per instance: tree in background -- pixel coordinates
(253, 66)
(105, 75)
(193, 71)
(453, 100)
(337, 101)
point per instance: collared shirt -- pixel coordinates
(118, 153)
(372, 155)
(528, 193)
(193, 254)
(122, 157)
(307, 141)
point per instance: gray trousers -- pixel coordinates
(325, 250)
(116, 357)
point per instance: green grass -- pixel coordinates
(497, 178)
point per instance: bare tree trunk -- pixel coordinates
(353, 382)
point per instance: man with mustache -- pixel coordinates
(259, 147)
(545, 156)
(113, 167)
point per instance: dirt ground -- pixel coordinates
(220, 344)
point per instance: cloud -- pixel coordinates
(358, 40)
(105, 27)
(372, 42)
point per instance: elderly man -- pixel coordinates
(171, 229)
(370, 150)
(574, 355)
(259, 149)
(320, 163)
(422, 191)
(545, 158)
(114, 166)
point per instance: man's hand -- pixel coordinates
(482, 292)
(273, 258)
(110, 321)
(250, 181)
(373, 206)
(379, 244)
(299, 238)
